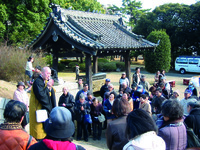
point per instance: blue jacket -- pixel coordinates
(107, 106)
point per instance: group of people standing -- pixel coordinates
(137, 116)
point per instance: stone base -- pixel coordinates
(97, 84)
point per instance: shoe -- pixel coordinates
(86, 140)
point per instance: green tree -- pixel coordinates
(22, 20)
(161, 58)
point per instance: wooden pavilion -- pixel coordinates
(71, 33)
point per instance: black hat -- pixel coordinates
(59, 124)
(21, 84)
(38, 67)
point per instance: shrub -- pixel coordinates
(110, 66)
(161, 58)
(82, 66)
(120, 65)
(66, 61)
(49, 60)
(72, 65)
(103, 60)
(13, 62)
(100, 66)
(61, 67)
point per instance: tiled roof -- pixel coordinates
(95, 30)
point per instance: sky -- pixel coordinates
(146, 4)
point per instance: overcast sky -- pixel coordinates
(149, 3)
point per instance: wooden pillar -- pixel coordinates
(88, 66)
(55, 59)
(127, 65)
(95, 64)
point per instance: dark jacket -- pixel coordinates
(78, 94)
(68, 100)
(115, 134)
(108, 107)
(174, 134)
(103, 89)
(79, 113)
(42, 94)
(157, 103)
(96, 111)
(57, 145)
(193, 121)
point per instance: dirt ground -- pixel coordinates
(7, 89)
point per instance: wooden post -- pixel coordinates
(55, 59)
(127, 66)
(95, 64)
(88, 67)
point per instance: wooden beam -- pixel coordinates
(95, 64)
(128, 66)
(88, 66)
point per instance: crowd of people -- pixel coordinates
(135, 116)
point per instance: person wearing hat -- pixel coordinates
(192, 89)
(122, 80)
(193, 119)
(29, 67)
(175, 95)
(21, 95)
(104, 89)
(84, 91)
(82, 107)
(12, 135)
(187, 98)
(136, 95)
(59, 129)
(144, 83)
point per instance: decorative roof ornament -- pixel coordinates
(55, 36)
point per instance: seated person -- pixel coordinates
(59, 128)
(12, 135)
(144, 104)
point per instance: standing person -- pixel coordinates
(141, 131)
(107, 106)
(84, 91)
(115, 133)
(192, 89)
(80, 83)
(67, 100)
(144, 83)
(187, 98)
(77, 71)
(110, 90)
(12, 135)
(125, 96)
(122, 80)
(172, 130)
(136, 77)
(157, 76)
(144, 104)
(59, 128)
(29, 67)
(96, 110)
(193, 119)
(82, 108)
(104, 89)
(162, 74)
(21, 95)
(42, 97)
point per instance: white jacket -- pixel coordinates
(146, 141)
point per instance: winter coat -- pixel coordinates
(68, 100)
(107, 109)
(115, 134)
(184, 103)
(146, 141)
(14, 137)
(174, 134)
(81, 113)
(103, 89)
(47, 144)
(124, 80)
(79, 93)
(193, 121)
(41, 98)
(96, 111)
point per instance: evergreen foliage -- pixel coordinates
(161, 58)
